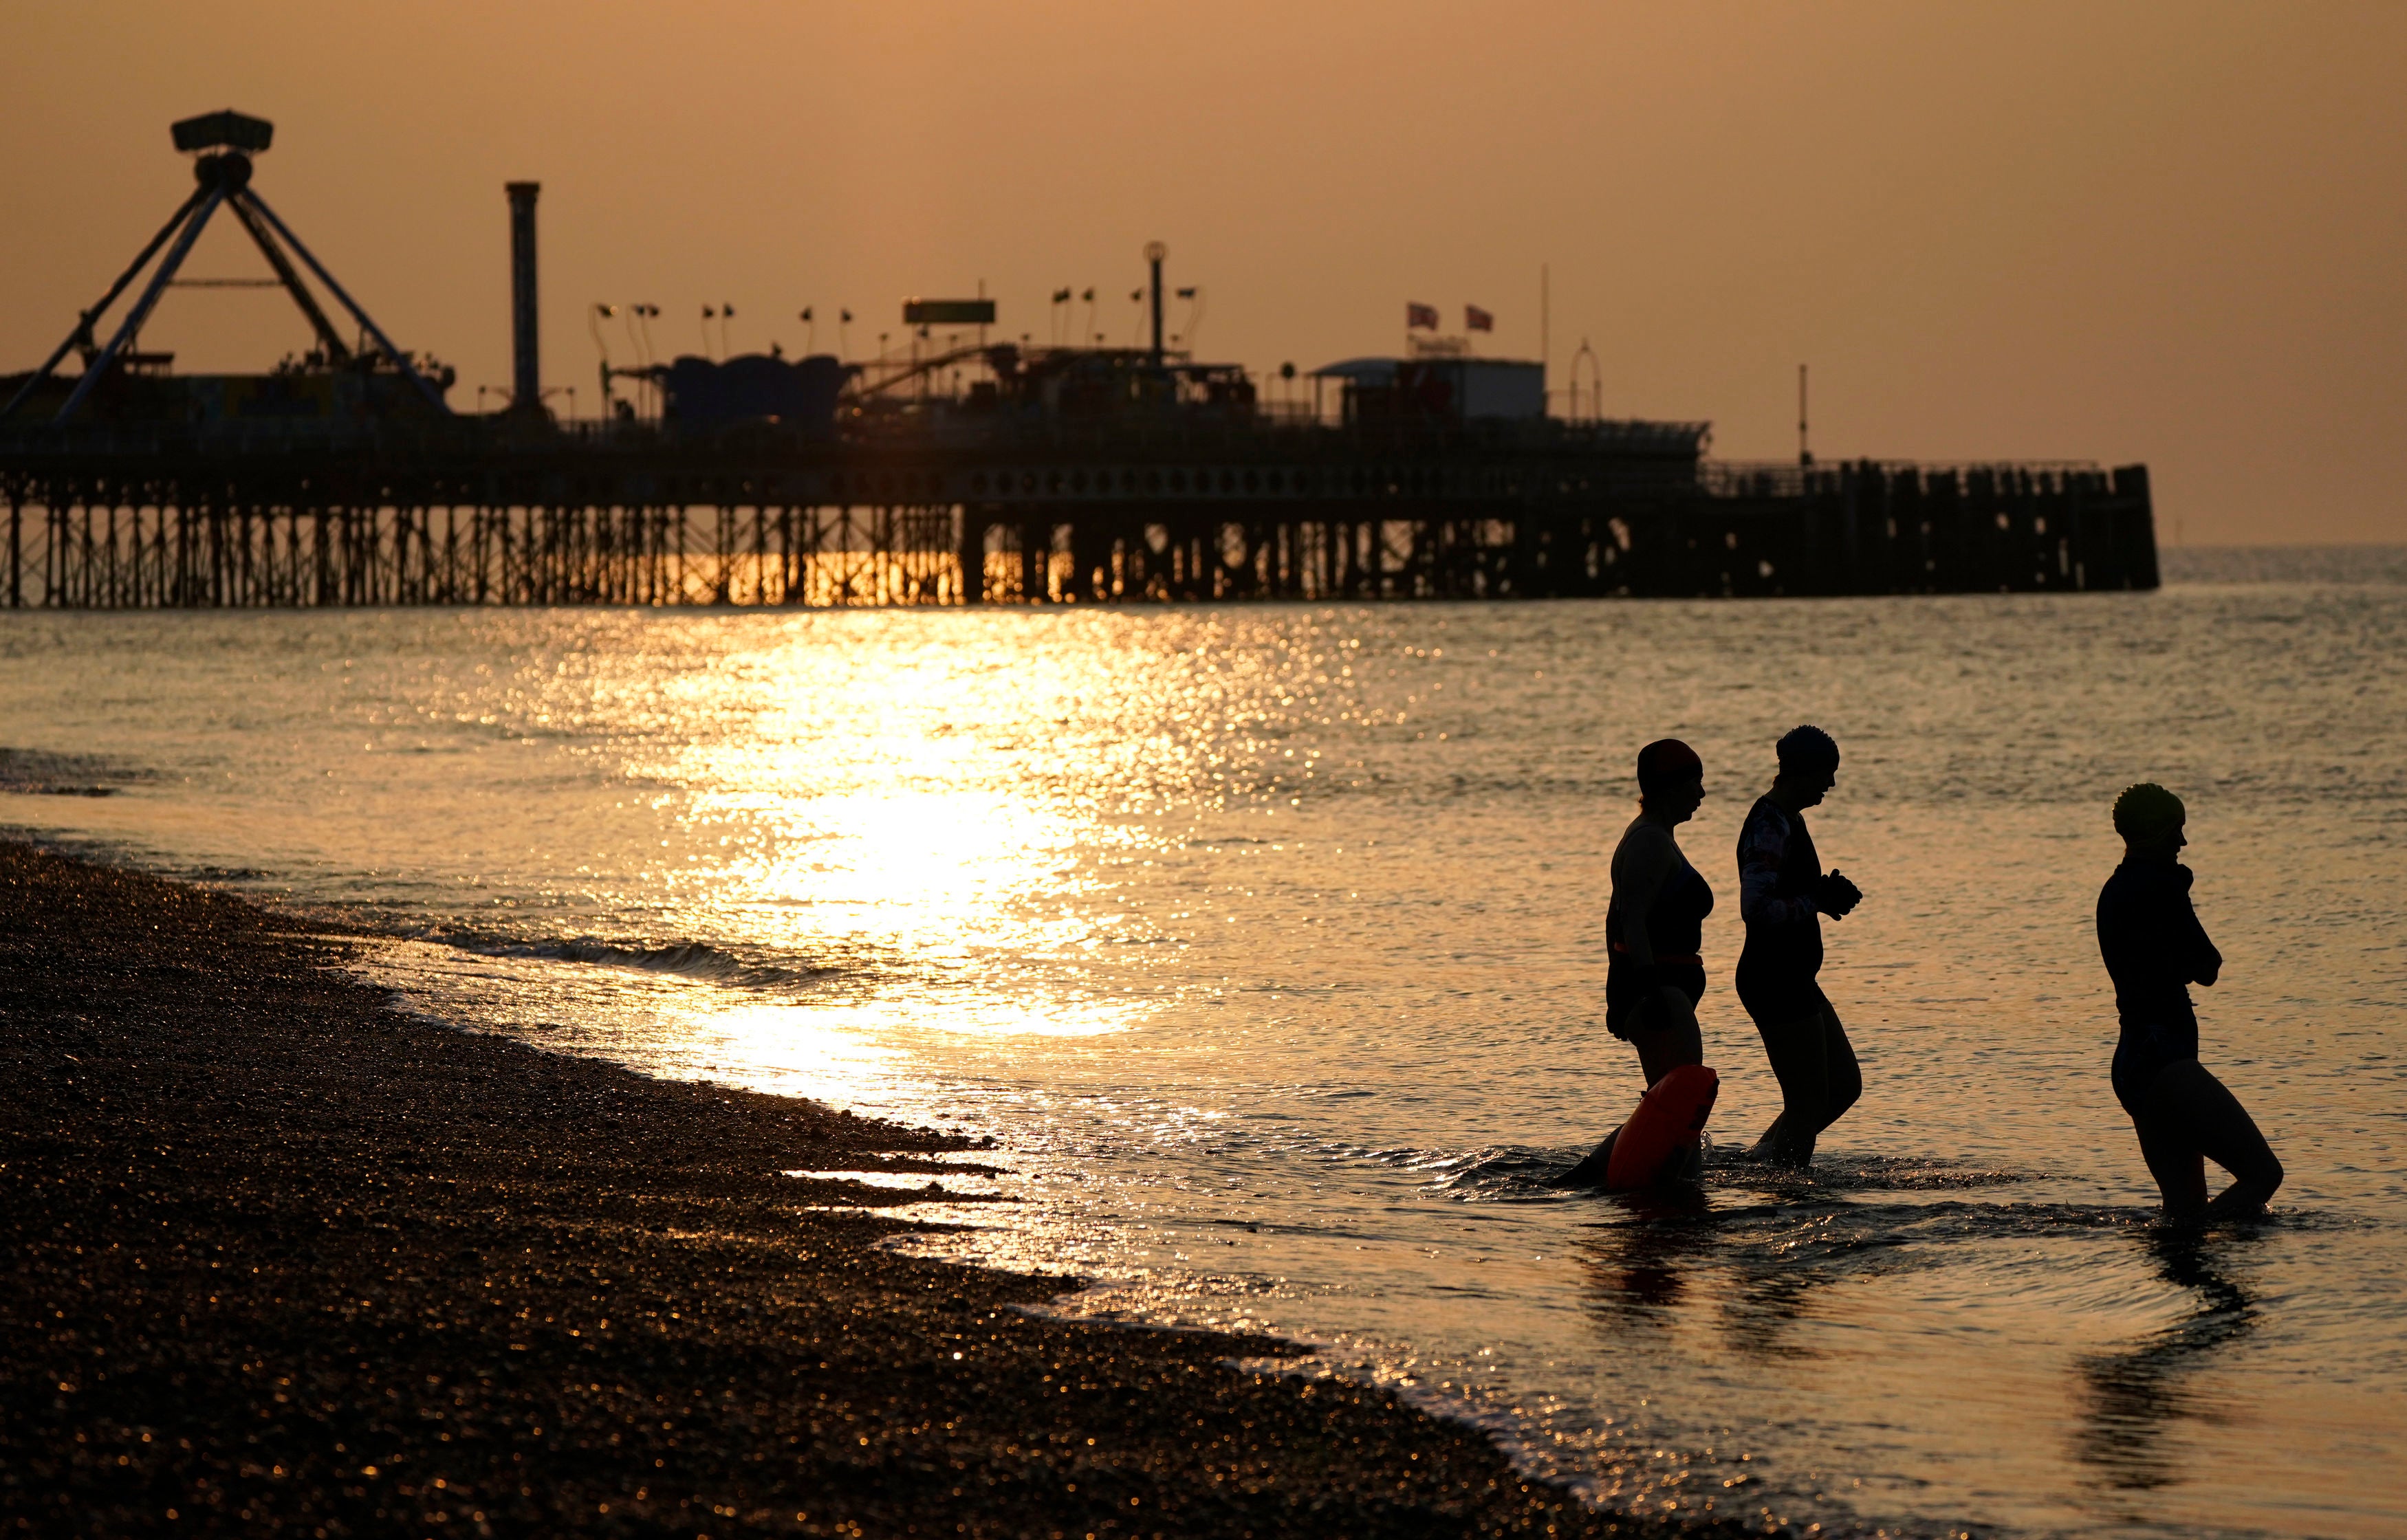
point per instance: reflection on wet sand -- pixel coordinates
(2134, 1400)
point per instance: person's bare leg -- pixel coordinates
(1660, 1053)
(1847, 1077)
(1800, 1061)
(2188, 1101)
(1769, 1145)
(1666, 1040)
(1680, 1041)
(2179, 1170)
(1591, 1168)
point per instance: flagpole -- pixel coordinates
(1545, 335)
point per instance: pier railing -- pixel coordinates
(1791, 479)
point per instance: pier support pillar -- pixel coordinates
(973, 557)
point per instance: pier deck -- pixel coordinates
(475, 511)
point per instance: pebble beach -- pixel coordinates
(285, 1262)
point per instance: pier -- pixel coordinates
(1301, 513)
(951, 476)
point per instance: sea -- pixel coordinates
(1265, 944)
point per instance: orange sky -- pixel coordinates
(2171, 232)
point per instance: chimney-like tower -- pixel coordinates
(1154, 252)
(526, 364)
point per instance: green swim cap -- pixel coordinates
(2147, 813)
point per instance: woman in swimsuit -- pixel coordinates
(2155, 949)
(1655, 923)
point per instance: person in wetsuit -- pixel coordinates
(1654, 925)
(2155, 949)
(1783, 892)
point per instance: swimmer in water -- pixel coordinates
(1654, 925)
(2155, 949)
(1783, 892)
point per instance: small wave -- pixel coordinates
(36, 772)
(1837, 1171)
(1854, 1226)
(1504, 1173)
(1516, 1173)
(1520, 1173)
(699, 960)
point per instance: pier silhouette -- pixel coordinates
(953, 474)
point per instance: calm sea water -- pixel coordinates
(1267, 941)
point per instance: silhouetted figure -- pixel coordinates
(2155, 949)
(1783, 892)
(1654, 927)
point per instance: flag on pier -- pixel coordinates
(1417, 316)
(1476, 320)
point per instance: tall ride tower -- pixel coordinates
(224, 144)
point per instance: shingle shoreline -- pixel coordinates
(284, 1261)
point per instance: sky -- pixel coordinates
(2174, 233)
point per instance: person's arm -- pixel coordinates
(1640, 866)
(1760, 846)
(2201, 964)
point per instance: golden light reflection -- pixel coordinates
(675, 1027)
(938, 868)
(889, 1057)
(789, 1050)
(917, 814)
(945, 1016)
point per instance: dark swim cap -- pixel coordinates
(1807, 748)
(2147, 813)
(1665, 764)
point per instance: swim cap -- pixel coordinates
(1807, 748)
(1665, 764)
(2146, 813)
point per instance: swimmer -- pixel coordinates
(1654, 925)
(2155, 949)
(1783, 892)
